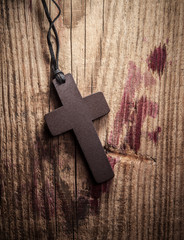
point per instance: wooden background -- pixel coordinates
(133, 52)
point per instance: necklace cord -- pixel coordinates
(59, 75)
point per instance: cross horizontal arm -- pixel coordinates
(57, 121)
(97, 105)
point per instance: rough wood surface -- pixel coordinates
(133, 52)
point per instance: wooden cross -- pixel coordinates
(77, 114)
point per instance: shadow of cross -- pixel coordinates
(77, 114)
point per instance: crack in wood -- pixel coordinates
(128, 156)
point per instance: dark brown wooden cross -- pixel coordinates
(77, 114)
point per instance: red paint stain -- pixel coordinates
(95, 194)
(97, 190)
(82, 207)
(157, 59)
(30, 5)
(154, 135)
(132, 112)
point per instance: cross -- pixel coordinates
(77, 114)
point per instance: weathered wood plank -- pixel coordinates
(133, 52)
(35, 197)
(133, 65)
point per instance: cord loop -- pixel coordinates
(54, 59)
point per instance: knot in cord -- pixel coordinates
(59, 75)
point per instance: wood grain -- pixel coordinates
(133, 52)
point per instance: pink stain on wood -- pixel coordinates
(132, 113)
(148, 79)
(113, 161)
(154, 135)
(144, 108)
(157, 59)
(127, 103)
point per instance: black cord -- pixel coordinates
(59, 75)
